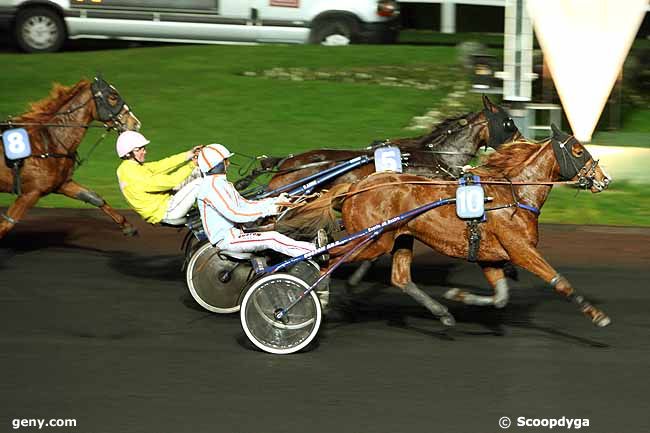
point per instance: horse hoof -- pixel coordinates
(129, 231)
(500, 303)
(454, 295)
(448, 320)
(602, 321)
(353, 282)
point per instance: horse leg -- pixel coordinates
(402, 242)
(531, 260)
(78, 192)
(17, 210)
(401, 277)
(359, 273)
(497, 279)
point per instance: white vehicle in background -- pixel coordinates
(44, 25)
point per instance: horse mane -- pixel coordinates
(42, 111)
(439, 132)
(508, 160)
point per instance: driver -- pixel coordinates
(160, 191)
(222, 208)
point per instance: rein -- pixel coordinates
(96, 96)
(434, 182)
(51, 125)
(463, 124)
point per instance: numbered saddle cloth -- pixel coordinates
(16, 144)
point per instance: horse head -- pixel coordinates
(110, 107)
(500, 126)
(575, 162)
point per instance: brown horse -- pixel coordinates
(56, 125)
(442, 152)
(519, 178)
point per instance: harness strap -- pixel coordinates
(55, 155)
(16, 185)
(474, 240)
(517, 204)
(529, 208)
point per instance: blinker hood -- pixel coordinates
(570, 165)
(101, 91)
(501, 126)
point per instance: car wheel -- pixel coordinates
(334, 31)
(39, 30)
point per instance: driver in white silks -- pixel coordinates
(222, 208)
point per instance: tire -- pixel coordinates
(39, 30)
(334, 31)
(270, 294)
(215, 282)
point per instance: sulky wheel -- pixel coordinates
(269, 295)
(215, 281)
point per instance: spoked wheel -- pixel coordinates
(216, 282)
(264, 299)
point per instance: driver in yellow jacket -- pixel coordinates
(160, 191)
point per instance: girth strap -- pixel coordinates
(16, 185)
(474, 240)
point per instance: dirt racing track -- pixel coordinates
(101, 328)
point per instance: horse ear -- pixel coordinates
(556, 131)
(489, 105)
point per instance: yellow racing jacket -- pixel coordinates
(147, 187)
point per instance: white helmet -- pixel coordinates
(212, 155)
(129, 140)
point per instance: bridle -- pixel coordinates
(501, 127)
(106, 113)
(583, 166)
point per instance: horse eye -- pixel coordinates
(578, 152)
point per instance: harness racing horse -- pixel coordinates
(518, 177)
(56, 126)
(442, 152)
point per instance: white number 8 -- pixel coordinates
(16, 142)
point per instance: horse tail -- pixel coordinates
(304, 222)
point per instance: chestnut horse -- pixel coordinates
(56, 126)
(442, 152)
(519, 177)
